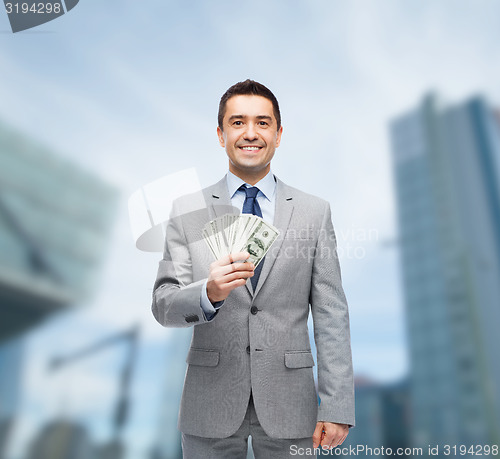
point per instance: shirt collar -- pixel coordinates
(266, 185)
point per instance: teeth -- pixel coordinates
(251, 148)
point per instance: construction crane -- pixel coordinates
(114, 449)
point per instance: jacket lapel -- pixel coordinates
(282, 214)
(218, 200)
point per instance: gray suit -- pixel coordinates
(258, 341)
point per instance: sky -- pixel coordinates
(130, 91)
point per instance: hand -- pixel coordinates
(329, 434)
(225, 275)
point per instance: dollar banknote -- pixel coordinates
(238, 233)
(260, 241)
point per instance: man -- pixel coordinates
(250, 366)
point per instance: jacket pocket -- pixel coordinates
(203, 357)
(299, 359)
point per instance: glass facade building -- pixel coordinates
(447, 169)
(55, 218)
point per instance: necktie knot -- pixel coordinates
(250, 192)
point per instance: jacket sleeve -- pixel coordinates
(331, 330)
(176, 298)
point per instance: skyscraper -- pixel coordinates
(447, 179)
(381, 417)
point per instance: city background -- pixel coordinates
(390, 112)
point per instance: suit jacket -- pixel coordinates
(258, 341)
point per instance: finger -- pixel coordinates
(317, 434)
(335, 442)
(328, 439)
(234, 284)
(232, 257)
(223, 261)
(231, 268)
(338, 438)
(236, 256)
(342, 439)
(236, 275)
(345, 435)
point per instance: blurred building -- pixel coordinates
(54, 223)
(382, 416)
(168, 440)
(10, 388)
(62, 439)
(447, 170)
(55, 220)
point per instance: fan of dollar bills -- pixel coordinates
(238, 233)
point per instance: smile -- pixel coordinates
(250, 148)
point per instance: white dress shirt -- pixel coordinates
(266, 197)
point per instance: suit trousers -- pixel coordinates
(236, 446)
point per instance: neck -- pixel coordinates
(248, 176)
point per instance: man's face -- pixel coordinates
(250, 135)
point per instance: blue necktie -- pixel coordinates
(251, 206)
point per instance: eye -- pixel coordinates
(237, 123)
(263, 123)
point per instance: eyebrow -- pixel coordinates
(259, 117)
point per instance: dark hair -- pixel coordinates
(248, 88)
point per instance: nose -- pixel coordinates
(250, 132)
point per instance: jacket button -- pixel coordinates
(248, 349)
(254, 310)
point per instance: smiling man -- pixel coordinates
(250, 366)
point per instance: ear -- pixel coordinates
(220, 134)
(278, 136)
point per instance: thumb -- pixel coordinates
(317, 434)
